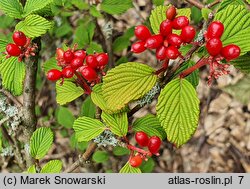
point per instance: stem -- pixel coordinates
(11, 97)
(84, 83)
(196, 3)
(213, 3)
(200, 63)
(163, 68)
(141, 151)
(29, 116)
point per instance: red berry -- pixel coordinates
(13, 49)
(165, 43)
(214, 46)
(154, 144)
(142, 32)
(161, 53)
(172, 52)
(80, 54)
(91, 61)
(138, 47)
(54, 75)
(135, 161)
(68, 72)
(141, 138)
(102, 59)
(180, 22)
(76, 63)
(175, 40)
(166, 27)
(171, 13)
(68, 56)
(59, 53)
(89, 73)
(230, 52)
(215, 30)
(19, 38)
(154, 41)
(187, 34)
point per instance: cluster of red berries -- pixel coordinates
(75, 62)
(217, 52)
(153, 144)
(166, 43)
(21, 47)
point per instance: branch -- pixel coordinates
(213, 4)
(11, 97)
(29, 117)
(196, 3)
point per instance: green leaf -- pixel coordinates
(159, 14)
(240, 90)
(12, 73)
(94, 47)
(88, 108)
(205, 12)
(242, 63)
(120, 151)
(3, 45)
(178, 111)
(158, 2)
(193, 78)
(50, 64)
(84, 38)
(63, 30)
(6, 21)
(116, 6)
(65, 117)
(80, 4)
(97, 97)
(118, 123)
(67, 92)
(94, 12)
(53, 166)
(127, 82)
(34, 26)
(226, 3)
(82, 146)
(87, 128)
(100, 156)
(127, 168)
(31, 169)
(13, 8)
(41, 142)
(34, 5)
(196, 14)
(121, 43)
(147, 166)
(150, 125)
(236, 20)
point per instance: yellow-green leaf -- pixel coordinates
(178, 111)
(127, 82)
(13, 8)
(53, 166)
(87, 128)
(127, 168)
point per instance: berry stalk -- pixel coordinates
(139, 150)
(86, 87)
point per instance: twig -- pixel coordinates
(196, 3)
(138, 11)
(29, 116)
(213, 3)
(5, 132)
(83, 158)
(11, 97)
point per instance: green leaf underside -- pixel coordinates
(242, 63)
(150, 125)
(236, 20)
(118, 123)
(67, 92)
(13, 8)
(34, 26)
(53, 166)
(127, 82)
(12, 73)
(116, 6)
(193, 78)
(87, 128)
(41, 142)
(35, 5)
(178, 111)
(159, 14)
(127, 168)
(88, 108)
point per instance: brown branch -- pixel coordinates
(213, 4)
(83, 158)
(196, 3)
(29, 117)
(11, 97)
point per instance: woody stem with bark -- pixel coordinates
(29, 117)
